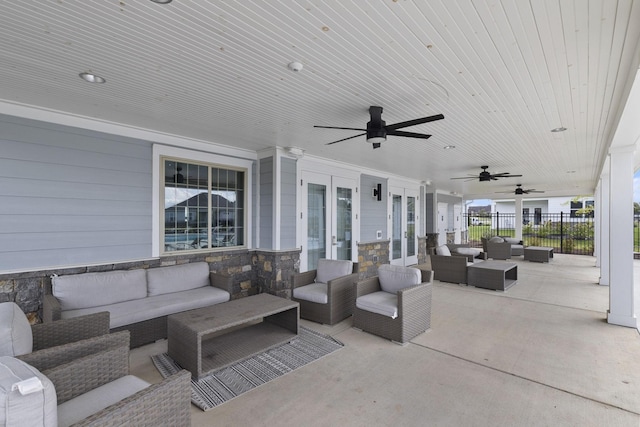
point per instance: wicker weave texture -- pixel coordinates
(538, 253)
(46, 335)
(449, 268)
(414, 312)
(340, 297)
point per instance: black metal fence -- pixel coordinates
(565, 233)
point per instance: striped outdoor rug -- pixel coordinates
(227, 383)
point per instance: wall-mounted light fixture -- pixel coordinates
(377, 192)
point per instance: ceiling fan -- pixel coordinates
(377, 129)
(520, 191)
(487, 176)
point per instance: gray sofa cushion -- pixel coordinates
(96, 289)
(329, 269)
(128, 312)
(176, 278)
(81, 407)
(395, 277)
(27, 397)
(16, 337)
(314, 292)
(496, 239)
(443, 250)
(381, 302)
(469, 251)
(512, 240)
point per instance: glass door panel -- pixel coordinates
(344, 224)
(396, 227)
(316, 224)
(412, 240)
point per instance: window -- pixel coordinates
(204, 205)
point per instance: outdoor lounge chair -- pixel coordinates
(395, 304)
(325, 294)
(96, 390)
(50, 344)
(497, 248)
(451, 266)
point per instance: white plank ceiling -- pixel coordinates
(503, 73)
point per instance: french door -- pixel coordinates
(327, 219)
(404, 223)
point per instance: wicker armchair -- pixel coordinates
(101, 381)
(496, 250)
(337, 291)
(452, 268)
(412, 303)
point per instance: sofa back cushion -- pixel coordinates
(15, 331)
(329, 269)
(97, 289)
(443, 250)
(27, 397)
(393, 278)
(176, 278)
(496, 239)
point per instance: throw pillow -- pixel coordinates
(16, 337)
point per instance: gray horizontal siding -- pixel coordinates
(373, 212)
(288, 204)
(266, 202)
(71, 196)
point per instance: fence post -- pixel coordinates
(561, 232)
(497, 223)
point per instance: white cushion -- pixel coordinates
(176, 278)
(329, 269)
(96, 289)
(443, 250)
(381, 302)
(128, 312)
(469, 251)
(27, 398)
(15, 331)
(512, 240)
(496, 239)
(314, 292)
(393, 278)
(81, 407)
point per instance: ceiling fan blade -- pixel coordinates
(504, 175)
(466, 177)
(534, 191)
(344, 139)
(333, 127)
(408, 134)
(415, 122)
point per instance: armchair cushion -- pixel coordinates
(16, 337)
(380, 302)
(96, 289)
(329, 269)
(496, 239)
(31, 403)
(512, 240)
(81, 407)
(469, 251)
(395, 277)
(443, 250)
(315, 292)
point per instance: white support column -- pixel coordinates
(622, 290)
(518, 218)
(597, 222)
(604, 227)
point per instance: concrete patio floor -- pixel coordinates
(539, 354)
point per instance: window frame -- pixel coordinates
(160, 154)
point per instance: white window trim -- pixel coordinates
(160, 151)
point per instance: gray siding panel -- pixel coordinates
(71, 196)
(266, 202)
(288, 204)
(373, 212)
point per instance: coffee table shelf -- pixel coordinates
(211, 338)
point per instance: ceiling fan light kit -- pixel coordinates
(377, 129)
(485, 175)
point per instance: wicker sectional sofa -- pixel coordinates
(138, 300)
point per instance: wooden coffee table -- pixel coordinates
(496, 275)
(210, 338)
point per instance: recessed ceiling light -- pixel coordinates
(560, 129)
(162, 1)
(449, 147)
(92, 78)
(295, 66)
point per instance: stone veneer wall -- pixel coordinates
(370, 256)
(274, 269)
(422, 250)
(431, 241)
(253, 271)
